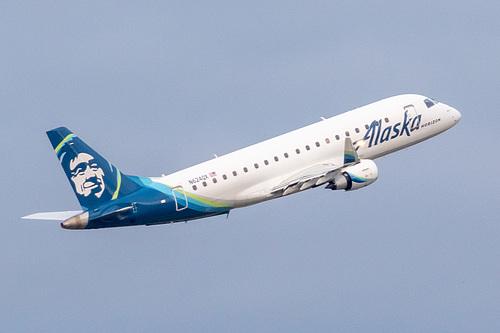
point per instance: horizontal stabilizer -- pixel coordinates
(53, 216)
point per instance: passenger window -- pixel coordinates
(195, 187)
(327, 140)
(286, 155)
(235, 173)
(204, 184)
(347, 133)
(386, 120)
(256, 166)
(214, 180)
(337, 137)
(224, 177)
(297, 151)
(276, 158)
(357, 130)
(266, 162)
(245, 169)
(317, 144)
(308, 148)
(366, 126)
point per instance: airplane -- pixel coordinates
(337, 152)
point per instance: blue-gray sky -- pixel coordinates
(159, 86)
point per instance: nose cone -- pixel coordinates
(455, 115)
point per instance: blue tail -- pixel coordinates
(95, 181)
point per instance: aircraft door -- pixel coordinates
(180, 198)
(410, 111)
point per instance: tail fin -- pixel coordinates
(94, 180)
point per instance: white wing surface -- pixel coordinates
(53, 216)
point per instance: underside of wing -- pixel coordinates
(311, 177)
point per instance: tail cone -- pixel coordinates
(76, 222)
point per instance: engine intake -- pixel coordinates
(355, 176)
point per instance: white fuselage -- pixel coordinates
(248, 175)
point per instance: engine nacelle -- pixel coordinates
(355, 176)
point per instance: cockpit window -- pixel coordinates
(430, 102)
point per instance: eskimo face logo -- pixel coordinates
(86, 175)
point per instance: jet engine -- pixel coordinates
(355, 176)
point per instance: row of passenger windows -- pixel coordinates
(286, 155)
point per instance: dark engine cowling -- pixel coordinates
(355, 176)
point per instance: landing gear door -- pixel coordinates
(180, 198)
(410, 111)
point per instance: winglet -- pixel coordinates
(350, 154)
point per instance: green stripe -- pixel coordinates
(163, 188)
(208, 202)
(118, 184)
(59, 146)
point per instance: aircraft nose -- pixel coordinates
(455, 115)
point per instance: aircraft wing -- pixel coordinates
(53, 216)
(318, 174)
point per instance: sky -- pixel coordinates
(159, 86)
